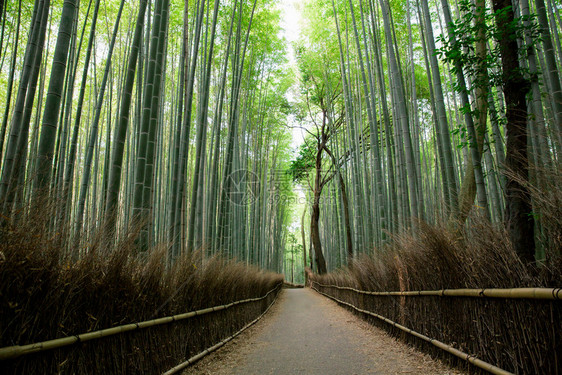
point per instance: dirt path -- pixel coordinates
(305, 333)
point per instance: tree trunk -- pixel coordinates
(94, 128)
(315, 234)
(315, 216)
(473, 182)
(34, 46)
(54, 95)
(519, 215)
(451, 193)
(345, 201)
(551, 75)
(304, 247)
(120, 136)
(10, 80)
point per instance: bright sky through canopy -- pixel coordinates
(291, 19)
(291, 24)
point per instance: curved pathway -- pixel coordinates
(305, 333)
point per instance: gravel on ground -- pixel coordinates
(306, 333)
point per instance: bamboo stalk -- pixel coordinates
(15, 351)
(513, 293)
(448, 348)
(197, 357)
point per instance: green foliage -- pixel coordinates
(422, 84)
(300, 167)
(461, 48)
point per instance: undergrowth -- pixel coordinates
(46, 293)
(518, 335)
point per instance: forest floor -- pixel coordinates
(305, 333)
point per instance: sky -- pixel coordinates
(291, 24)
(291, 19)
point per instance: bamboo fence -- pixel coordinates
(11, 352)
(514, 293)
(197, 357)
(467, 357)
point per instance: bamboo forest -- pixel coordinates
(172, 169)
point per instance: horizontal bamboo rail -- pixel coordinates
(514, 293)
(10, 352)
(197, 357)
(448, 348)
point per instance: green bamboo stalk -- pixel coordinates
(38, 22)
(451, 194)
(52, 103)
(94, 128)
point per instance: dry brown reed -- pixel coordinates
(45, 293)
(520, 336)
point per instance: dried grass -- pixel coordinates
(520, 336)
(45, 294)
